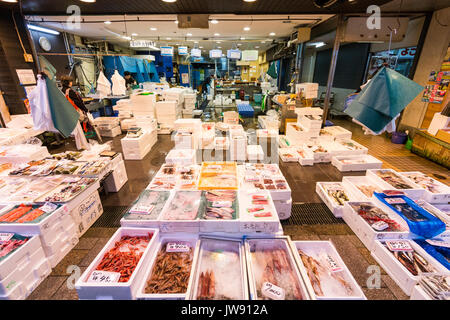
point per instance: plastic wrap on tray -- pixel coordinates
(93, 168)
(436, 285)
(185, 205)
(426, 182)
(220, 205)
(148, 206)
(36, 188)
(172, 269)
(219, 272)
(376, 218)
(218, 175)
(36, 168)
(67, 190)
(27, 213)
(10, 243)
(394, 179)
(11, 187)
(272, 265)
(336, 192)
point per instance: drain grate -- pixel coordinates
(311, 213)
(111, 217)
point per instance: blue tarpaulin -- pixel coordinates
(142, 70)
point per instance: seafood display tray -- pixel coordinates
(441, 211)
(428, 196)
(117, 290)
(404, 279)
(194, 244)
(415, 193)
(366, 233)
(350, 184)
(182, 157)
(319, 157)
(250, 224)
(419, 294)
(337, 210)
(221, 245)
(338, 148)
(328, 248)
(281, 243)
(370, 162)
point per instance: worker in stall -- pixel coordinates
(129, 80)
(207, 84)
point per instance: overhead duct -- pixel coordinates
(186, 21)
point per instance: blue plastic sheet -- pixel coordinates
(428, 228)
(441, 254)
(382, 99)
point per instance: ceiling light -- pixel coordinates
(263, 42)
(195, 41)
(216, 34)
(168, 38)
(214, 21)
(219, 47)
(239, 44)
(247, 29)
(189, 34)
(107, 22)
(153, 29)
(218, 41)
(169, 0)
(176, 21)
(126, 38)
(242, 38)
(256, 47)
(41, 29)
(272, 34)
(134, 34)
(201, 47)
(10, 1)
(316, 44)
(249, 0)
(88, 1)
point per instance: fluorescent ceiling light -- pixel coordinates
(272, 34)
(41, 29)
(189, 34)
(88, 1)
(169, 0)
(153, 29)
(219, 47)
(316, 44)
(247, 29)
(126, 38)
(249, 0)
(134, 34)
(214, 21)
(10, 1)
(256, 47)
(239, 44)
(242, 38)
(168, 38)
(176, 21)
(217, 34)
(107, 22)
(201, 47)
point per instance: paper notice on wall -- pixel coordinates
(26, 76)
(28, 89)
(185, 77)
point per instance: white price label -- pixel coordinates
(272, 291)
(99, 276)
(222, 204)
(48, 207)
(438, 243)
(380, 226)
(395, 200)
(399, 245)
(142, 209)
(5, 236)
(332, 264)
(177, 247)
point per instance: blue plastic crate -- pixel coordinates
(95, 114)
(245, 110)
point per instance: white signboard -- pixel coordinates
(250, 55)
(141, 44)
(167, 51)
(26, 76)
(182, 51)
(196, 53)
(215, 54)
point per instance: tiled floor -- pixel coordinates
(59, 285)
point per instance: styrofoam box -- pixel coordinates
(107, 121)
(194, 244)
(288, 154)
(168, 226)
(67, 239)
(182, 156)
(370, 163)
(117, 179)
(284, 208)
(308, 111)
(441, 211)
(428, 196)
(326, 246)
(419, 294)
(227, 226)
(23, 270)
(337, 148)
(319, 157)
(255, 152)
(401, 276)
(415, 193)
(335, 133)
(250, 224)
(137, 148)
(220, 146)
(117, 290)
(336, 209)
(350, 184)
(282, 243)
(166, 108)
(366, 233)
(87, 212)
(294, 134)
(111, 133)
(308, 123)
(25, 153)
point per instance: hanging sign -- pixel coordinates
(196, 53)
(185, 78)
(215, 53)
(250, 55)
(234, 54)
(141, 44)
(167, 51)
(182, 51)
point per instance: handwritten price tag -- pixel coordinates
(48, 207)
(402, 245)
(104, 276)
(395, 200)
(380, 226)
(333, 265)
(177, 247)
(438, 243)
(5, 236)
(272, 291)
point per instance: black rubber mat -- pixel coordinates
(111, 217)
(311, 213)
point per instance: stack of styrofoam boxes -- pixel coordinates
(335, 133)
(155, 87)
(167, 112)
(308, 90)
(208, 135)
(238, 144)
(85, 209)
(124, 108)
(231, 117)
(92, 290)
(23, 270)
(184, 139)
(184, 157)
(268, 140)
(189, 103)
(143, 104)
(266, 122)
(57, 232)
(189, 125)
(108, 126)
(312, 124)
(308, 111)
(137, 148)
(297, 135)
(21, 153)
(255, 153)
(118, 176)
(439, 122)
